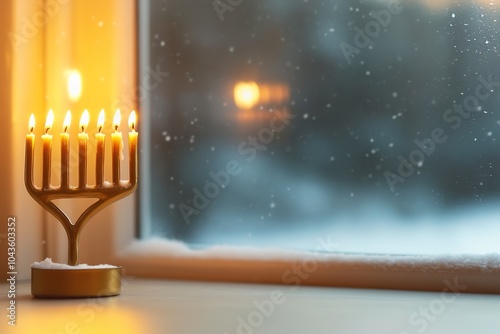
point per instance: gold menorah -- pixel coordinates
(105, 193)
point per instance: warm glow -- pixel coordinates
(49, 121)
(67, 121)
(31, 125)
(100, 121)
(74, 85)
(88, 316)
(246, 94)
(84, 120)
(117, 119)
(132, 120)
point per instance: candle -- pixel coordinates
(116, 148)
(83, 137)
(47, 151)
(99, 161)
(65, 151)
(132, 145)
(30, 147)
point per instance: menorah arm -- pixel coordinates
(96, 207)
(37, 195)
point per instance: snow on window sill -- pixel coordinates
(161, 258)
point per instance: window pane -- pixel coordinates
(371, 122)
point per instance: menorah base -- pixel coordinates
(75, 283)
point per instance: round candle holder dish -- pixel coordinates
(75, 283)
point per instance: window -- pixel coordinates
(272, 123)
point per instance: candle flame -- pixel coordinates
(31, 125)
(131, 120)
(84, 120)
(49, 121)
(246, 94)
(67, 121)
(100, 121)
(74, 85)
(117, 119)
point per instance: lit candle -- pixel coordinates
(83, 137)
(47, 150)
(132, 145)
(99, 161)
(30, 147)
(116, 148)
(65, 151)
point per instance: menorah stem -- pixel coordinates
(73, 240)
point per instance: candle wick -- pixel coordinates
(65, 129)
(83, 128)
(116, 128)
(100, 128)
(133, 126)
(31, 130)
(47, 130)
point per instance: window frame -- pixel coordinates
(112, 238)
(23, 61)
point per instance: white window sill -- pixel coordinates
(165, 259)
(159, 306)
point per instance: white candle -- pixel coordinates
(100, 141)
(65, 151)
(116, 148)
(132, 145)
(47, 151)
(83, 137)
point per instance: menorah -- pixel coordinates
(78, 281)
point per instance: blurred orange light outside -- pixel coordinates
(246, 94)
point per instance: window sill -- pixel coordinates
(159, 306)
(165, 259)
